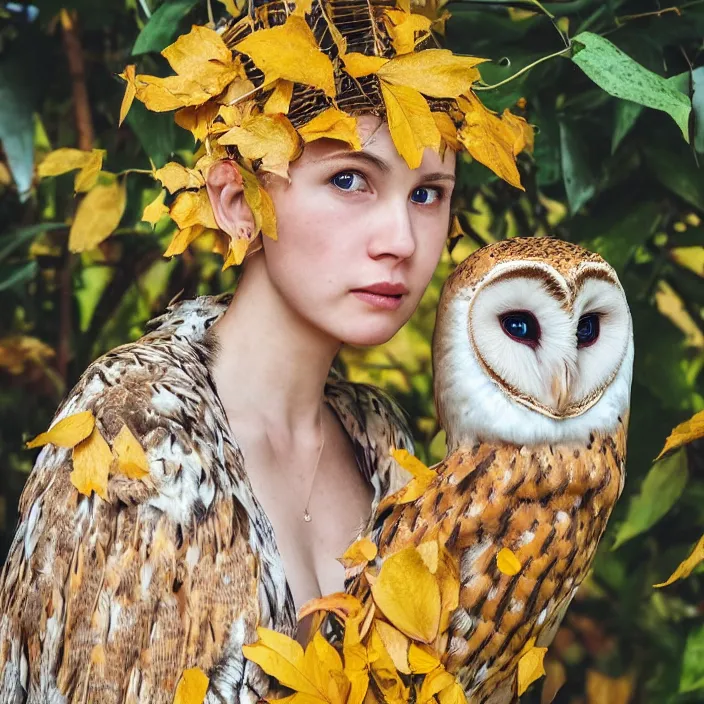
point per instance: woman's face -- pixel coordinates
(359, 234)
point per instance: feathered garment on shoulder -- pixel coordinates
(110, 601)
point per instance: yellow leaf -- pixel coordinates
(320, 661)
(236, 252)
(435, 72)
(362, 550)
(332, 124)
(202, 56)
(685, 568)
(231, 7)
(435, 681)
(358, 65)
(197, 119)
(447, 128)
(271, 138)
(92, 459)
(174, 177)
(523, 132)
(282, 658)
(155, 210)
(507, 562)
(260, 204)
(690, 257)
(290, 51)
(429, 551)
(342, 604)
(170, 93)
(453, 694)
(684, 433)
(97, 216)
(67, 159)
(421, 661)
(87, 177)
(131, 458)
(448, 577)
(489, 139)
(396, 645)
(192, 687)
(530, 667)
(608, 690)
(403, 26)
(280, 98)
(410, 122)
(355, 657)
(182, 239)
(68, 432)
(130, 91)
(384, 671)
(413, 465)
(409, 595)
(193, 208)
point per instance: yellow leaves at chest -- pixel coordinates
(192, 687)
(361, 551)
(530, 666)
(507, 562)
(290, 51)
(93, 460)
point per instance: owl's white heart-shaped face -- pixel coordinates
(530, 351)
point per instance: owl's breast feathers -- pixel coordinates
(549, 506)
(111, 600)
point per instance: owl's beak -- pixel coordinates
(560, 390)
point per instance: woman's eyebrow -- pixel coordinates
(382, 165)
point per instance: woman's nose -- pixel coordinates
(393, 234)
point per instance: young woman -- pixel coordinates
(215, 469)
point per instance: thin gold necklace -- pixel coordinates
(306, 515)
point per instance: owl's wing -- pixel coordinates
(376, 425)
(110, 600)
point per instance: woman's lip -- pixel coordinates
(379, 300)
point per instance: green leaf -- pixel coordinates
(156, 132)
(619, 75)
(627, 113)
(692, 676)
(677, 170)
(16, 123)
(579, 177)
(661, 488)
(10, 242)
(698, 107)
(162, 26)
(13, 275)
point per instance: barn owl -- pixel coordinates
(111, 600)
(532, 358)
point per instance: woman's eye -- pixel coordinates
(587, 329)
(521, 326)
(347, 180)
(426, 196)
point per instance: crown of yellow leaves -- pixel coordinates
(290, 73)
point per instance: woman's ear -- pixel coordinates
(226, 192)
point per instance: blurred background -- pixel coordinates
(607, 173)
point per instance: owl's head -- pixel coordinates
(533, 344)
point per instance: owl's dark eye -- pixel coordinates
(521, 326)
(587, 330)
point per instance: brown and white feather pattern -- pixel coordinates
(109, 601)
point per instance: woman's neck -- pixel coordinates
(271, 364)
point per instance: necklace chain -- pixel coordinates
(306, 515)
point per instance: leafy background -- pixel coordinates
(606, 173)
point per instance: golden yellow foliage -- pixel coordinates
(129, 76)
(68, 432)
(358, 65)
(182, 239)
(332, 124)
(130, 455)
(97, 216)
(193, 208)
(192, 687)
(290, 51)
(530, 666)
(684, 433)
(67, 159)
(174, 177)
(92, 459)
(686, 567)
(280, 99)
(608, 690)
(155, 210)
(19, 351)
(361, 551)
(409, 595)
(403, 26)
(507, 562)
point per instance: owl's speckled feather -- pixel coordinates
(109, 601)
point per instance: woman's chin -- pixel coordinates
(367, 333)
